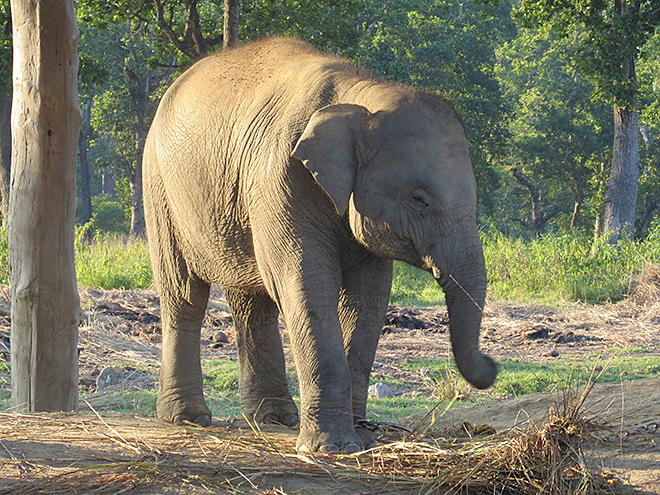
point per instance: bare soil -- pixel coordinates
(113, 453)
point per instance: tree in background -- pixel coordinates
(186, 29)
(558, 134)
(5, 107)
(649, 99)
(92, 76)
(610, 35)
(333, 26)
(447, 47)
(123, 111)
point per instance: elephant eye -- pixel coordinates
(420, 199)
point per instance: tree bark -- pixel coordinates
(140, 97)
(5, 154)
(621, 189)
(230, 28)
(45, 124)
(83, 144)
(576, 214)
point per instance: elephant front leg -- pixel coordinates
(181, 397)
(363, 304)
(326, 412)
(262, 382)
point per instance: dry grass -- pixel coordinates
(646, 290)
(545, 459)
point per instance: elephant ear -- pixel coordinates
(328, 147)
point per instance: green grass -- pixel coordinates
(137, 402)
(516, 378)
(414, 287)
(113, 261)
(5, 386)
(221, 387)
(554, 269)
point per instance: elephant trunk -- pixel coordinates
(463, 280)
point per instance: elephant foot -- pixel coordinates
(367, 437)
(312, 440)
(180, 411)
(274, 411)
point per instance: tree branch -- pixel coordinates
(169, 31)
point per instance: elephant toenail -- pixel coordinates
(352, 448)
(203, 420)
(304, 449)
(329, 448)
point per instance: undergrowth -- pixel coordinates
(113, 261)
(552, 269)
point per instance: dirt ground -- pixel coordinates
(93, 452)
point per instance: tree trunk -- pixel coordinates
(45, 124)
(140, 96)
(621, 190)
(5, 155)
(83, 143)
(576, 214)
(108, 182)
(137, 210)
(230, 29)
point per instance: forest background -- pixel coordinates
(539, 119)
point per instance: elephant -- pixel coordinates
(293, 179)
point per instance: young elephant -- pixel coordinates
(292, 179)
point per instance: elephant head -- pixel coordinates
(404, 177)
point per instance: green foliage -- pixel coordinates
(333, 26)
(109, 216)
(112, 261)
(559, 136)
(5, 385)
(571, 267)
(6, 61)
(611, 34)
(447, 47)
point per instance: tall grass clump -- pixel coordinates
(567, 267)
(113, 261)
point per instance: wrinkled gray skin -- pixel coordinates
(292, 180)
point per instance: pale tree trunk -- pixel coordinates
(83, 144)
(621, 190)
(577, 206)
(5, 154)
(45, 124)
(230, 27)
(140, 95)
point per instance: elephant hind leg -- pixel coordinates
(183, 300)
(265, 395)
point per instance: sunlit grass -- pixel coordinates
(113, 261)
(565, 268)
